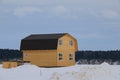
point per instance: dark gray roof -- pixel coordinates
(44, 36)
(41, 41)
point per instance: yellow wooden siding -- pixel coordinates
(41, 57)
(9, 64)
(65, 43)
(66, 49)
(14, 64)
(76, 45)
(65, 58)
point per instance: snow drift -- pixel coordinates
(77, 72)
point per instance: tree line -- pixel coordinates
(98, 56)
(10, 54)
(81, 56)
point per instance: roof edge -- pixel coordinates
(45, 34)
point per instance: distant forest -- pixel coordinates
(98, 57)
(10, 55)
(81, 57)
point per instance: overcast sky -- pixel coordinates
(94, 23)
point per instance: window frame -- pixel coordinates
(70, 42)
(60, 42)
(70, 56)
(60, 56)
(26, 55)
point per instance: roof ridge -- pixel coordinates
(44, 36)
(49, 34)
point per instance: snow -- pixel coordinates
(77, 72)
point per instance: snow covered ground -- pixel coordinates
(77, 72)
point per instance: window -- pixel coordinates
(70, 56)
(26, 55)
(60, 56)
(70, 43)
(60, 42)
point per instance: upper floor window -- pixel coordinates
(70, 56)
(60, 56)
(70, 42)
(60, 42)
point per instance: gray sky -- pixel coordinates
(94, 23)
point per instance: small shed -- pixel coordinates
(10, 64)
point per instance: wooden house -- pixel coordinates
(49, 50)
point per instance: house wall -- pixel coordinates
(41, 57)
(66, 49)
